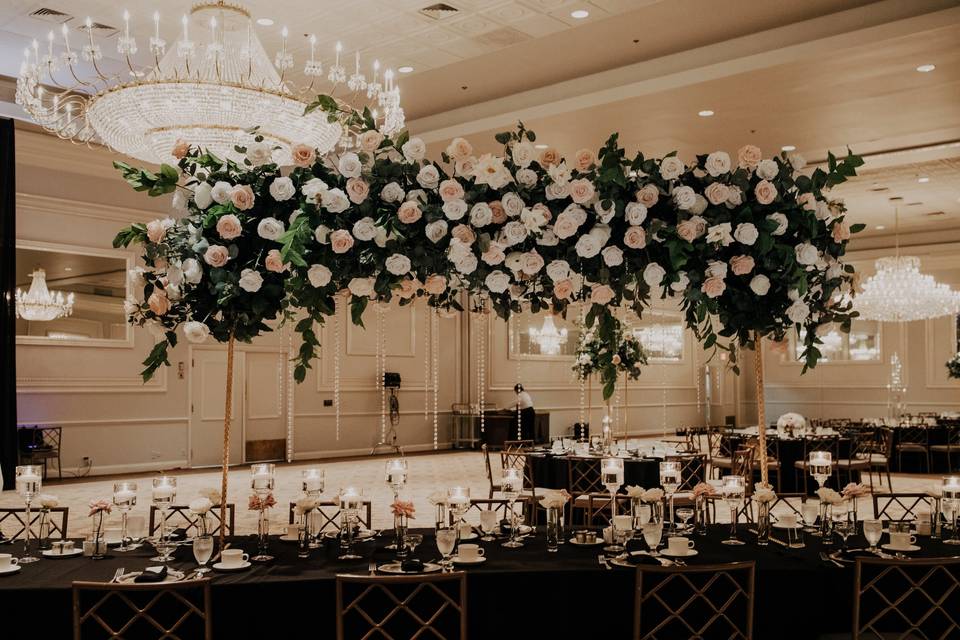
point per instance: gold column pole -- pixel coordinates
(227, 414)
(761, 407)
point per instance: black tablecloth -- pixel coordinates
(539, 594)
(551, 471)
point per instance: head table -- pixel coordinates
(517, 593)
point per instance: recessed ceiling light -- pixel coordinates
(579, 14)
(68, 268)
(923, 179)
(788, 147)
(405, 69)
(265, 22)
(706, 113)
(926, 68)
(880, 227)
(541, 146)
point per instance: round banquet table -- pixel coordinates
(518, 593)
(551, 471)
(791, 451)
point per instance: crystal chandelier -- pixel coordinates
(661, 340)
(39, 304)
(208, 87)
(548, 337)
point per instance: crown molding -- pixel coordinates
(46, 151)
(33, 204)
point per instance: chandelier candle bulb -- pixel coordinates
(951, 488)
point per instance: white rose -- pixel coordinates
(270, 229)
(716, 269)
(251, 280)
(436, 230)
(467, 264)
(195, 332)
(322, 234)
(397, 264)
(481, 215)
(746, 233)
(781, 221)
(259, 153)
(823, 211)
(720, 233)
(798, 312)
(635, 213)
(588, 246)
(335, 201)
(734, 197)
(349, 165)
(577, 213)
(612, 256)
(381, 238)
(497, 281)
(797, 161)
(548, 238)
(392, 192)
(684, 197)
(683, 281)
(533, 219)
(364, 229)
(454, 209)
(313, 189)
(527, 178)
(414, 150)
(605, 215)
(202, 196)
(760, 284)
(200, 506)
(671, 168)
(556, 191)
(221, 192)
(601, 232)
(717, 163)
(806, 253)
(180, 200)
(514, 233)
(512, 204)
(768, 169)
(558, 270)
(192, 270)
(699, 205)
(653, 274)
(428, 177)
(282, 189)
(523, 154)
(361, 287)
(319, 275)
(514, 261)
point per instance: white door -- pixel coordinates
(264, 406)
(208, 397)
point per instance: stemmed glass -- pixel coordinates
(670, 481)
(350, 503)
(733, 491)
(808, 513)
(29, 480)
(458, 499)
(844, 527)
(446, 540)
(510, 485)
(395, 475)
(125, 498)
(202, 550)
(685, 513)
(652, 534)
(951, 500)
(821, 466)
(872, 531)
(262, 482)
(313, 481)
(611, 476)
(163, 494)
(489, 522)
(621, 526)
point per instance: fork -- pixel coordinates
(118, 574)
(602, 559)
(372, 567)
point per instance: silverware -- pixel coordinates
(826, 558)
(372, 567)
(779, 542)
(117, 575)
(602, 559)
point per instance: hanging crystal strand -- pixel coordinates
(290, 398)
(697, 377)
(336, 362)
(516, 337)
(381, 369)
(435, 350)
(427, 344)
(480, 378)
(580, 377)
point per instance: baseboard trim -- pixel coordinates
(137, 467)
(350, 453)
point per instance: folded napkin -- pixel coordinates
(152, 574)
(411, 565)
(641, 558)
(178, 534)
(853, 554)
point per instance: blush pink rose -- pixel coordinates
(370, 140)
(741, 265)
(749, 156)
(499, 214)
(464, 234)
(357, 190)
(435, 285)
(409, 212)
(180, 149)
(450, 190)
(242, 197)
(584, 159)
(565, 226)
(688, 230)
(157, 229)
(341, 241)
(840, 231)
(273, 261)
(765, 192)
(648, 195)
(494, 254)
(216, 255)
(563, 290)
(303, 155)
(549, 157)
(713, 286)
(229, 227)
(543, 210)
(159, 302)
(717, 193)
(581, 190)
(635, 237)
(408, 288)
(601, 294)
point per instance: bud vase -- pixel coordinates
(305, 539)
(43, 540)
(263, 531)
(440, 518)
(553, 528)
(400, 532)
(99, 541)
(852, 510)
(700, 515)
(936, 523)
(826, 521)
(763, 524)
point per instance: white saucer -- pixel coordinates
(477, 560)
(684, 554)
(11, 569)
(172, 576)
(394, 567)
(912, 547)
(524, 529)
(49, 553)
(285, 538)
(777, 525)
(573, 541)
(470, 536)
(243, 566)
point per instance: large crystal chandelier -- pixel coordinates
(899, 292)
(39, 304)
(208, 87)
(548, 338)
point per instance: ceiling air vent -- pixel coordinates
(439, 11)
(51, 15)
(99, 29)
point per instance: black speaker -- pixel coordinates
(391, 380)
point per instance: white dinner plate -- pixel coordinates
(573, 541)
(394, 567)
(285, 538)
(172, 576)
(477, 560)
(363, 534)
(686, 553)
(50, 553)
(912, 547)
(777, 525)
(243, 566)
(11, 569)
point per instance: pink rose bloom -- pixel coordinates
(808, 201)
(635, 238)
(435, 285)
(648, 195)
(357, 190)
(403, 508)
(450, 190)
(544, 210)
(563, 290)
(408, 288)
(549, 157)
(565, 226)
(499, 214)
(158, 301)
(464, 234)
(242, 197)
(765, 192)
(601, 294)
(229, 227)
(370, 140)
(156, 230)
(100, 504)
(581, 190)
(273, 261)
(180, 149)
(216, 255)
(341, 241)
(713, 286)
(749, 156)
(531, 263)
(717, 193)
(494, 254)
(840, 231)
(741, 265)
(688, 230)
(409, 212)
(704, 489)
(303, 155)
(584, 159)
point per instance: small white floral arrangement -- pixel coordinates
(854, 490)
(305, 505)
(437, 497)
(829, 496)
(764, 495)
(553, 499)
(791, 422)
(652, 495)
(635, 491)
(212, 494)
(201, 506)
(48, 501)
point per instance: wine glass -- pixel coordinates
(611, 475)
(733, 491)
(685, 513)
(125, 497)
(458, 499)
(652, 534)
(29, 480)
(202, 550)
(163, 494)
(489, 523)
(809, 510)
(446, 540)
(872, 531)
(510, 485)
(670, 481)
(844, 527)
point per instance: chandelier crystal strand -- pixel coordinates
(435, 351)
(336, 362)
(214, 83)
(580, 376)
(480, 378)
(39, 304)
(427, 342)
(290, 397)
(516, 332)
(381, 370)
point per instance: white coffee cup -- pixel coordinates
(901, 540)
(788, 520)
(233, 557)
(470, 552)
(293, 530)
(623, 523)
(679, 545)
(7, 560)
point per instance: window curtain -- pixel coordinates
(8, 350)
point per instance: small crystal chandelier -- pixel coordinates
(548, 337)
(208, 87)
(39, 304)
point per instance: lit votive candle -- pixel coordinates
(951, 488)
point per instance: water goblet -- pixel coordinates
(446, 540)
(511, 484)
(489, 523)
(652, 534)
(163, 495)
(202, 550)
(844, 527)
(733, 490)
(685, 513)
(809, 511)
(125, 498)
(670, 481)
(28, 483)
(872, 531)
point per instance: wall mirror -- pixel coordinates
(71, 296)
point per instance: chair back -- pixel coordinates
(583, 476)
(416, 606)
(915, 598)
(703, 601)
(598, 513)
(521, 461)
(487, 466)
(180, 516)
(173, 610)
(327, 515)
(693, 470)
(517, 445)
(14, 519)
(916, 435)
(901, 506)
(790, 501)
(742, 465)
(502, 507)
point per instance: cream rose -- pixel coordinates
(720, 233)
(357, 190)
(465, 167)
(216, 255)
(648, 195)
(806, 253)
(760, 284)
(408, 288)
(765, 192)
(494, 254)
(781, 221)
(435, 285)
(481, 215)
(634, 213)
(282, 189)
(319, 275)
(527, 178)
(270, 229)
(581, 190)
(242, 197)
(749, 157)
(687, 230)
(741, 265)
(414, 150)
(303, 155)
(229, 227)
(459, 148)
(259, 153)
(612, 256)
(713, 287)
(768, 169)
(273, 261)
(464, 234)
(450, 189)
(671, 168)
(428, 177)
(588, 246)
(250, 280)
(341, 241)
(531, 263)
(746, 233)
(717, 193)
(370, 140)
(454, 209)
(522, 154)
(158, 302)
(202, 195)
(499, 214)
(436, 230)
(364, 229)
(497, 281)
(512, 204)
(180, 149)
(798, 311)
(334, 201)
(653, 274)
(221, 192)
(349, 165)
(392, 192)
(684, 197)
(192, 271)
(195, 332)
(840, 231)
(584, 159)
(563, 290)
(157, 229)
(409, 212)
(397, 264)
(558, 270)
(635, 238)
(549, 157)
(361, 287)
(717, 163)
(514, 233)
(601, 294)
